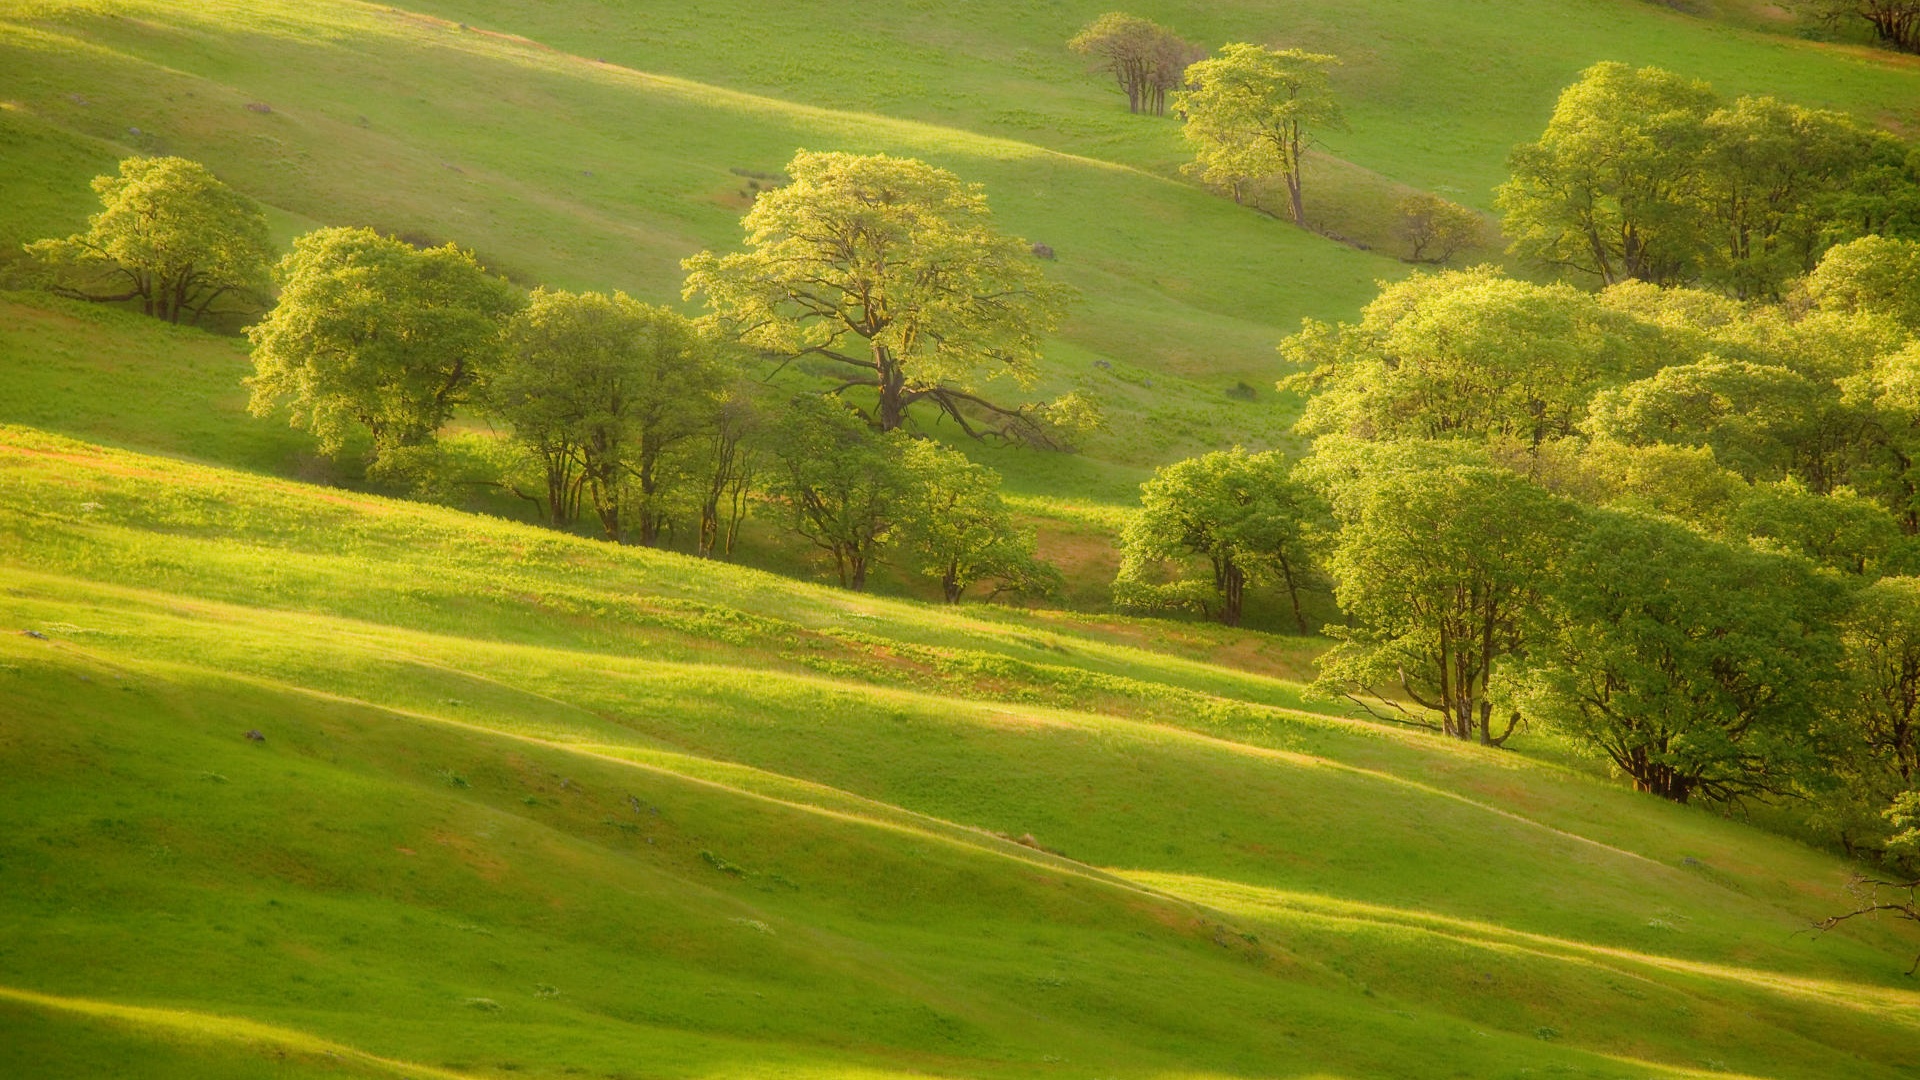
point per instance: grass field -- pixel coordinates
(532, 805)
(529, 804)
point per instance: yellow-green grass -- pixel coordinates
(529, 803)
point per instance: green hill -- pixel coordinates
(526, 804)
(532, 804)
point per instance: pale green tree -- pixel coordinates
(1698, 668)
(845, 485)
(1240, 512)
(959, 531)
(1466, 354)
(170, 235)
(1434, 229)
(370, 332)
(1611, 190)
(890, 269)
(1253, 112)
(1144, 58)
(1439, 561)
(604, 389)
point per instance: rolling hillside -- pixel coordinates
(527, 804)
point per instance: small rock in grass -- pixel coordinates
(35, 634)
(253, 735)
(259, 107)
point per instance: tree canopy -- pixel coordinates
(1252, 112)
(891, 270)
(603, 388)
(170, 235)
(1646, 175)
(371, 332)
(1144, 58)
(1240, 512)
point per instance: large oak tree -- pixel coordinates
(891, 269)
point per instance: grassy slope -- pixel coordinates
(441, 813)
(459, 710)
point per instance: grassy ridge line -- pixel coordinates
(816, 796)
(207, 1027)
(1894, 1004)
(269, 542)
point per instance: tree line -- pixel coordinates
(885, 274)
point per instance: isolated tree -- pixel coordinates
(892, 269)
(1895, 22)
(1611, 188)
(846, 485)
(374, 333)
(1434, 229)
(958, 530)
(1144, 58)
(170, 235)
(1241, 512)
(1465, 354)
(1439, 562)
(603, 388)
(1698, 668)
(1251, 113)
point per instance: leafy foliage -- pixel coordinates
(892, 268)
(1240, 512)
(1697, 668)
(1439, 562)
(1144, 58)
(169, 235)
(1251, 113)
(372, 332)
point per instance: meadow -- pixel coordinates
(528, 804)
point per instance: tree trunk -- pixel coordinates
(1294, 202)
(950, 586)
(1232, 592)
(1293, 593)
(891, 410)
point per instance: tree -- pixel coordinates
(1872, 275)
(372, 332)
(892, 268)
(1698, 668)
(845, 484)
(1251, 113)
(1435, 229)
(1841, 530)
(1439, 562)
(958, 528)
(603, 388)
(1144, 58)
(1753, 416)
(727, 465)
(1241, 512)
(1777, 183)
(1465, 354)
(1880, 708)
(170, 235)
(1894, 22)
(1610, 190)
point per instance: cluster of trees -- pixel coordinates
(1648, 176)
(1681, 528)
(1146, 59)
(886, 272)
